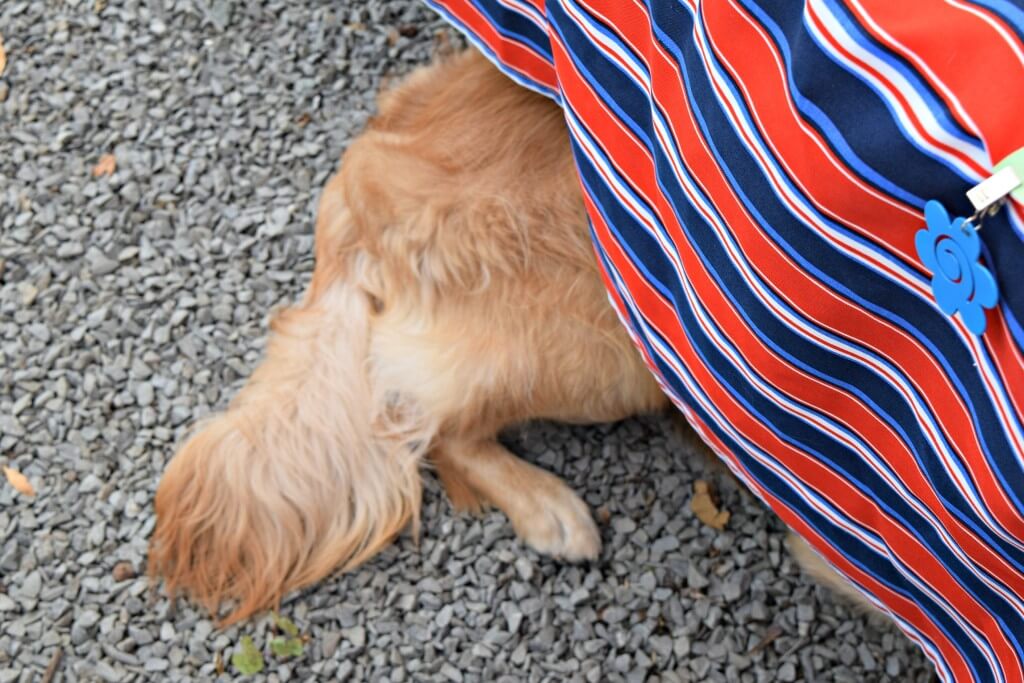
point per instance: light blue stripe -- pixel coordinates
(834, 284)
(588, 76)
(484, 48)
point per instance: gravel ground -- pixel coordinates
(130, 305)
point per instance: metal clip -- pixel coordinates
(993, 189)
(989, 195)
(977, 219)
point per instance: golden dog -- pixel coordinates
(456, 293)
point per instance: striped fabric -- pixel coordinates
(755, 172)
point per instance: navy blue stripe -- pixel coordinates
(856, 551)
(861, 285)
(843, 372)
(789, 428)
(514, 26)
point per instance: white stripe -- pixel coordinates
(919, 116)
(647, 219)
(834, 515)
(921, 65)
(924, 416)
(796, 203)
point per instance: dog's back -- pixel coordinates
(461, 174)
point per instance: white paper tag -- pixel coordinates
(992, 189)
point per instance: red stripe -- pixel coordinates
(962, 52)
(754, 65)
(895, 92)
(509, 52)
(818, 303)
(805, 468)
(635, 163)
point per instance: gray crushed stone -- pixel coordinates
(131, 305)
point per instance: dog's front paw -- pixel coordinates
(557, 523)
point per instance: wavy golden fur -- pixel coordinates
(455, 293)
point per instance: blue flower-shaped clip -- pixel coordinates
(950, 250)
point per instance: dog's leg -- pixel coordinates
(815, 566)
(544, 511)
(463, 497)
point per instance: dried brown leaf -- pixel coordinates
(3, 56)
(105, 166)
(706, 507)
(19, 481)
(123, 571)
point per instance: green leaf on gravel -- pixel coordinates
(286, 647)
(285, 624)
(248, 659)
